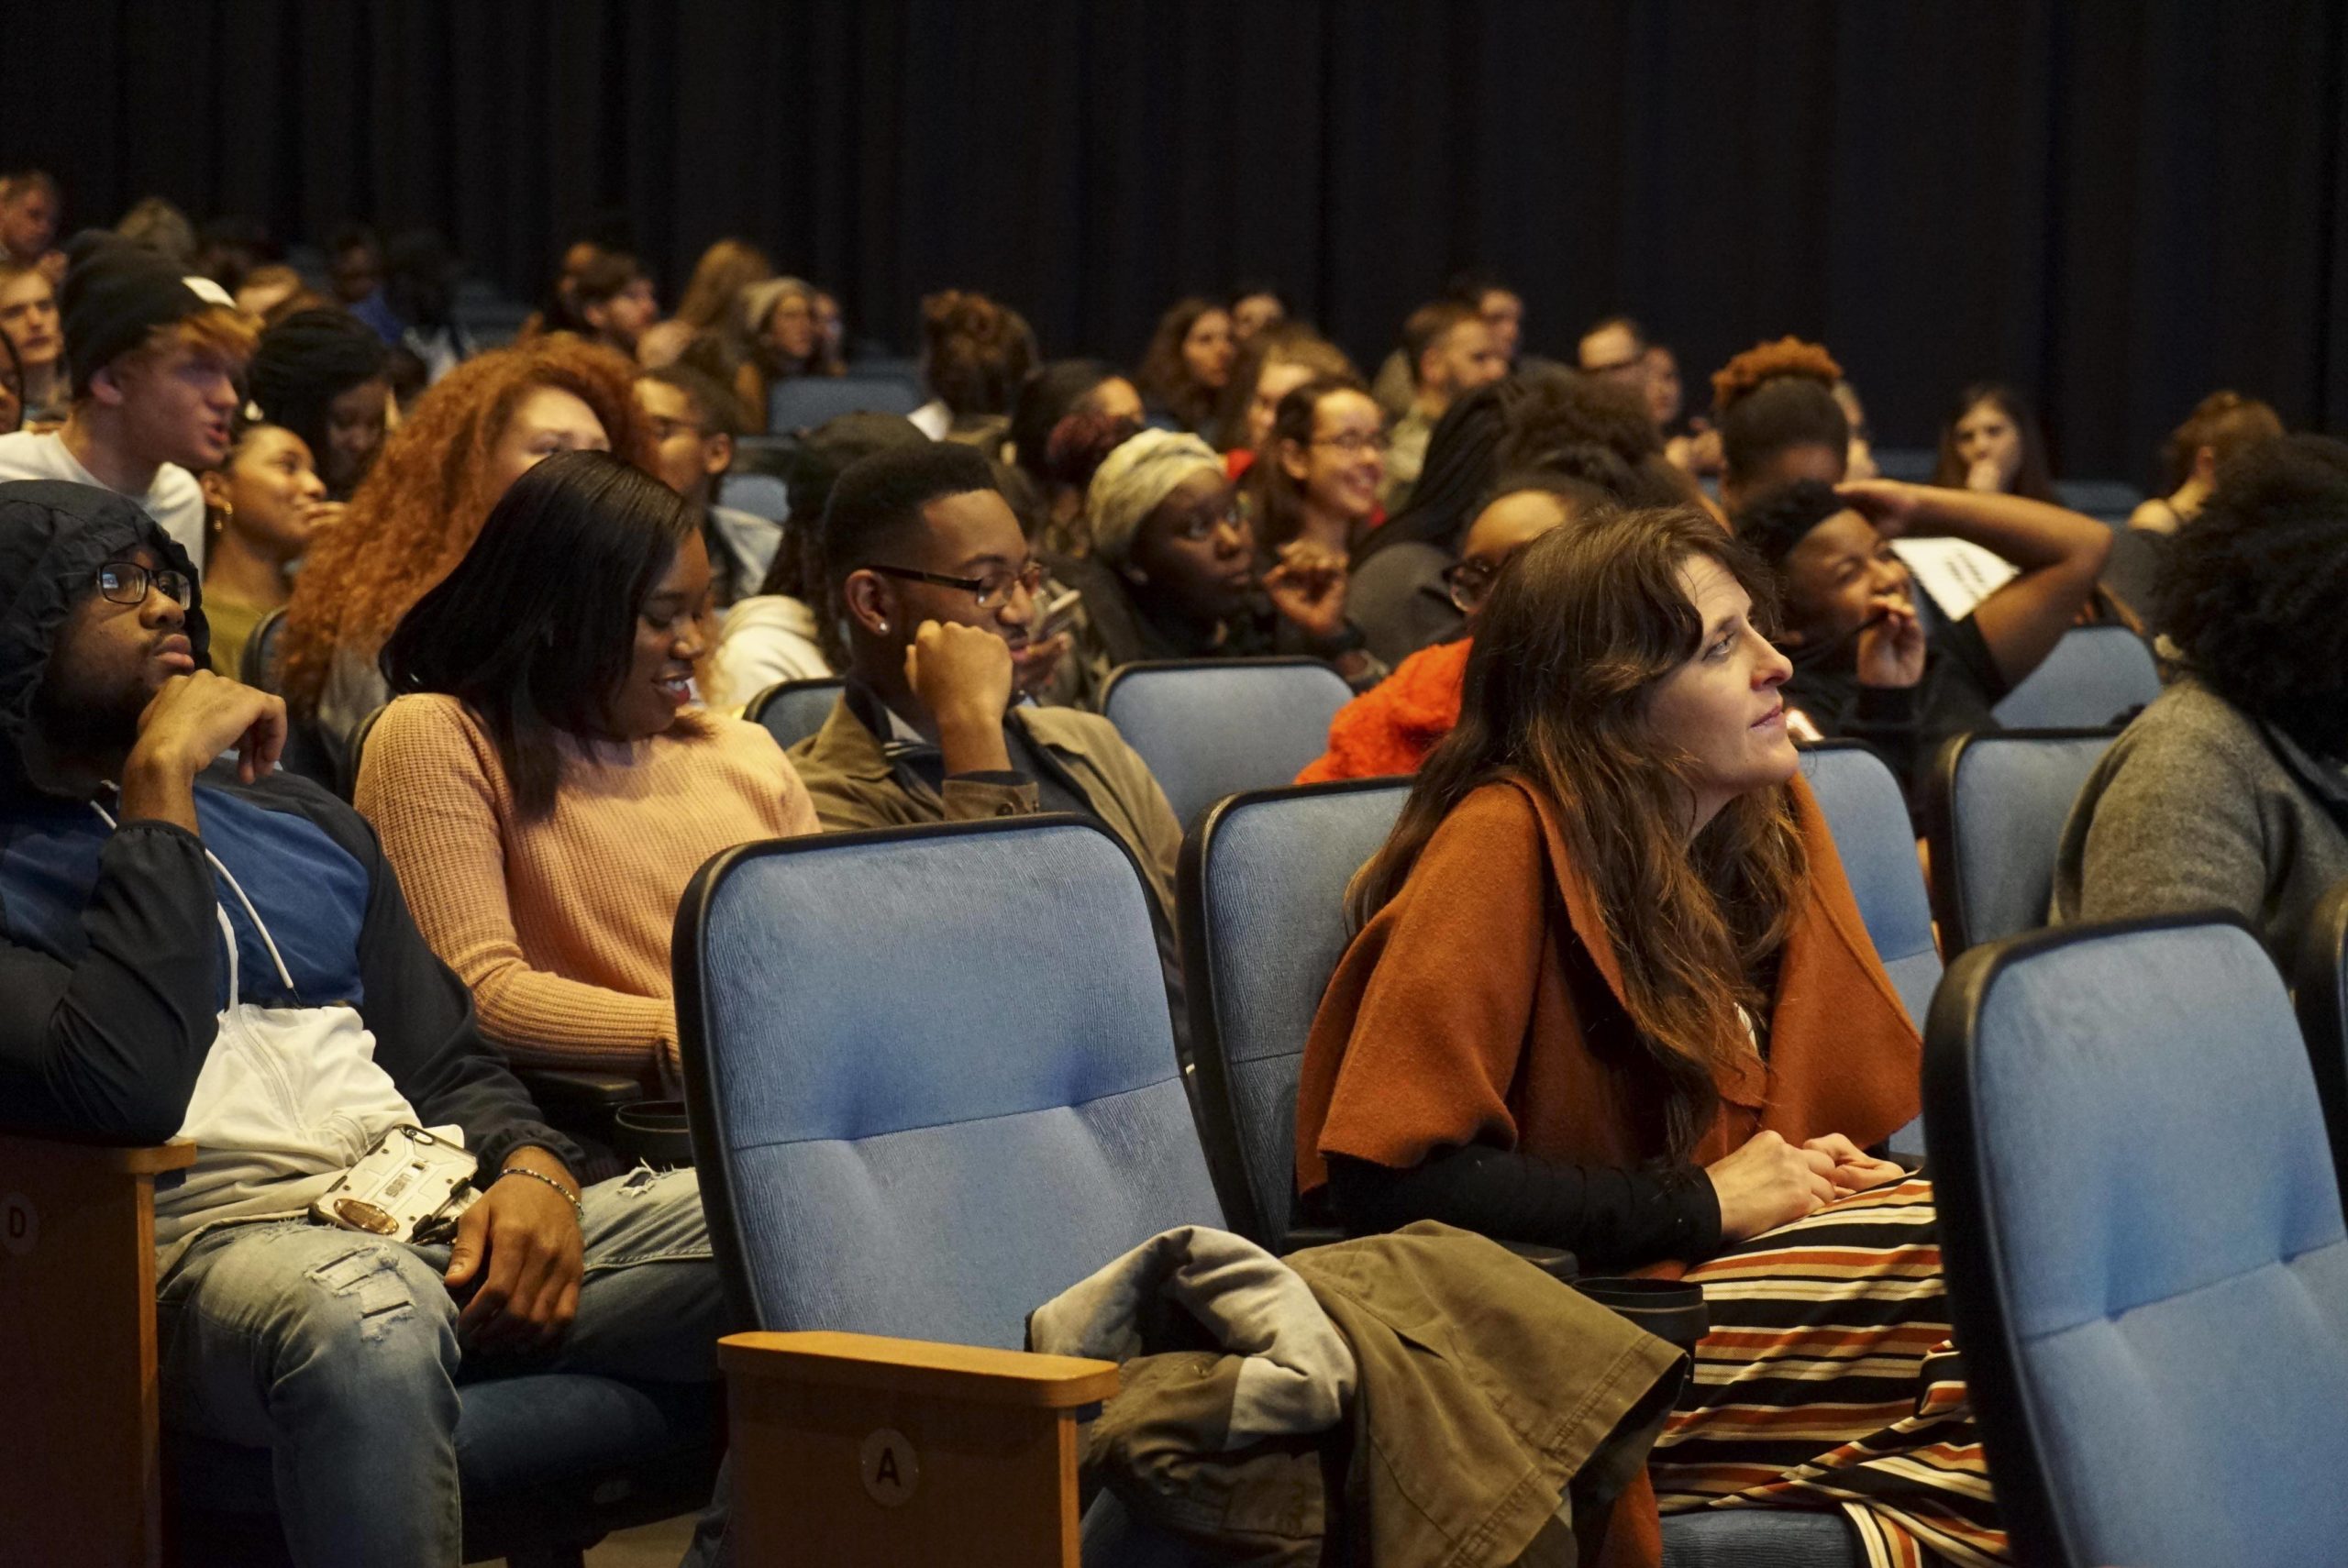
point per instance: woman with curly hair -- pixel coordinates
(1778, 420)
(975, 356)
(1610, 992)
(1187, 364)
(473, 434)
(2230, 791)
(1991, 442)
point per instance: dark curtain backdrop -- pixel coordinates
(2118, 205)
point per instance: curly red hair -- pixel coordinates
(418, 511)
(1765, 362)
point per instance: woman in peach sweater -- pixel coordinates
(542, 784)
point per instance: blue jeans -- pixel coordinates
(337, 1351)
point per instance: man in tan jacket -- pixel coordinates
(926, 565)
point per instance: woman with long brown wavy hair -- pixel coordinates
(479, 429)
(1611, 992)
(1186, 366)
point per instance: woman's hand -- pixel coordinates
(1855, 1170)
(1887, 505)
(1890, 647)
(1309, 588)
(1768, 1183)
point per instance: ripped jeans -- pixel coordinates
(338, 1352)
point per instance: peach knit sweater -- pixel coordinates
(561, 926)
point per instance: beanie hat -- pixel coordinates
(307, 360)
(760, 299)
(1139, 474)
(116, 293)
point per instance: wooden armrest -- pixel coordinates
(77, 1335)
(859, 1451)
(921, 1367)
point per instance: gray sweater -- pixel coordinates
(2198, 807)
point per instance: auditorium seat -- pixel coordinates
(2142, 1232)
(2318, 958)
(1994, 807)
(1260, 896)
(1212, 727)
(794, 710)
(549, 1462)
(2096, 675)
(907, 1129)
(2107, 501)
(802, 402)
(761, 495)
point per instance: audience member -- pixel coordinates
(615, 300)
(419, 295)
(1181, 574)
(1615, 350)
(1858, 460)
(935, 582)
(2221, 426)
(559, 310)
(1316, 481)
(202, 909)
(355, 268)
(975, 357)
(695, 422)
(1276, 362)
(780, 634)
(1187, 364)
(831, 331)
(1255, 307)
(159, 226)
(1502, 310)
(416, 513)
(12, 388)
(1451, 352)
(230, 246)
(324, 376)
(782, 339)
(154, 367)
(1390, 728)
(1993, 443)
(2231, 792)
(712, 297)
(1863, 664)
(1055, 392)
(1778, 419)
(30, 206)
(1598, 430)
(29, 318)
(274, 292)
(541, 782)
(265, 501)
(1609, 993)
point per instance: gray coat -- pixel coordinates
(2197, 806)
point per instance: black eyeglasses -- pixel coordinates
(127, 582)
(990, 591)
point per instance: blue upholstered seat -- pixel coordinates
(804, 401)
(2143, 1244)
(1261, 889)
(794, 710)
(2094, 677)
(761, 495)
(1995, 806)
(1213, 727)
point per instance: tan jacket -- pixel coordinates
(855, 786)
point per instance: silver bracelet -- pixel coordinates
(576, 1206)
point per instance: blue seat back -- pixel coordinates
(2107, 501)
(1213, 727)
(804, 401)
(2143, 1246)
(761, 495)
(1261, 893)
(1994, 804)
(931, 1075)
(2093, 677)
(794, 710)
(1869, 820)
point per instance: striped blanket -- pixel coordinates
(1828, 1381)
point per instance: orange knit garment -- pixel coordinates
(560, 927)
(1392, 727)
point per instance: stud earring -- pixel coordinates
(884, 628)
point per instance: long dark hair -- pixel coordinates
(1164, 376)
(535, 630)
(2035, 478)
(1580, 631)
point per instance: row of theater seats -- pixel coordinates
(908, 1131)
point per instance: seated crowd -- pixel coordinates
(372, 698)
